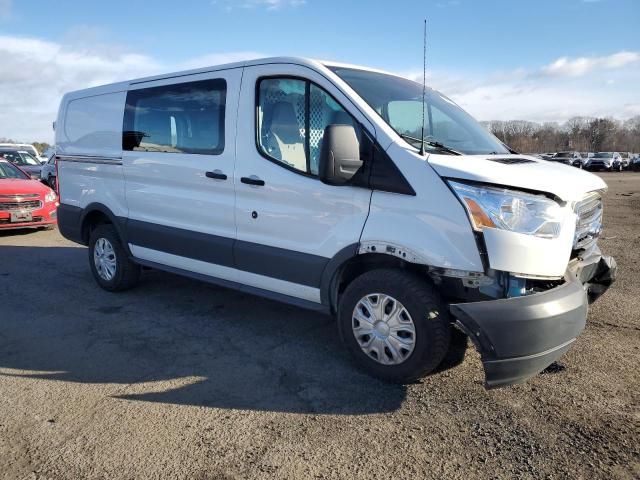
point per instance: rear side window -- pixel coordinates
(180, 118)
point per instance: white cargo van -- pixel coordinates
(307, 182)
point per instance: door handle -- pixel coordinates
(216, 174)
(252, 180)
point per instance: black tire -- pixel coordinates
(51, 181)
(127, 273)
(422, 302)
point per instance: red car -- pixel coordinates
(24, 202)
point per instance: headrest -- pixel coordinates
(284, 123)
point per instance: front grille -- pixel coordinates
(4, 221)
(589, 221)
(597, 163)
(19, 205)
(18, 196)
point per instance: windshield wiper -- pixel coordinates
(431, 143)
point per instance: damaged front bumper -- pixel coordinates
(519, 337)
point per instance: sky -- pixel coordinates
(538, 60)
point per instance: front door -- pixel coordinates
(289, 223)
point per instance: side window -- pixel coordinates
(180, 118)
(292, 115)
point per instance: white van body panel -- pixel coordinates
(432, 225)
(564, 181)
(91, 125)
(295, 212)
(89, 149)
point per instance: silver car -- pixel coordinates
(48, 174)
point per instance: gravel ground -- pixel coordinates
(179, 379)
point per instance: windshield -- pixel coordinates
(564, 155)
(399, 102)
(22, 159)
(9, 171)
(603, 155)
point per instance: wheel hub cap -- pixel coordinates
(383, 328)
(104, 259)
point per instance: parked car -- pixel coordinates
(26, 147)
(568, 158)
(609, 161)
(24, 202)
(306, 182)
(625, 160)
(24, 160)
(48, 174)
(635, 164)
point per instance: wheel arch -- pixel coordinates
(349, 264)
(96, 214)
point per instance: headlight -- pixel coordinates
(490, 207)
(50, 197)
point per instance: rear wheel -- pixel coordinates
(109, 261)
(394, 325)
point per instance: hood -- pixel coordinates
(519, 171)
(19, 186)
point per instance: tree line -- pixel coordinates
(584, 134)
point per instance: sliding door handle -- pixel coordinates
(216, 174)
(252, 180)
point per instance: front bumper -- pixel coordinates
(519, 337)
(42, 217)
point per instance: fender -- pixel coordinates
(383, 252)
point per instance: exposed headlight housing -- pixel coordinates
(511, 210)
(50, 197)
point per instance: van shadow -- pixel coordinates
(174, 340)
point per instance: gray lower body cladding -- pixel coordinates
(518, 337)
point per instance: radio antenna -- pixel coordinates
(424, 83)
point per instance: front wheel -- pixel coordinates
(52, 182)
(394, 325)
(109, 261)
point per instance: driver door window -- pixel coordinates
(292, 115)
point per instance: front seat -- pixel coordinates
(285, 142)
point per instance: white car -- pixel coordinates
(609, 161)
(25, 147)
(310, 182)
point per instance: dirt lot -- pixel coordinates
(178, 379)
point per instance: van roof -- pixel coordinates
(308, 62)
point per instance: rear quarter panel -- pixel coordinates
(89, 149)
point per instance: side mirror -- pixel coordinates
(339, 155)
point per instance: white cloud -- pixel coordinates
(5, 9)
(36, 73)
(609, 89)
(583, 65)
(266, 4)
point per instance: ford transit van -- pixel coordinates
(312, 183)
